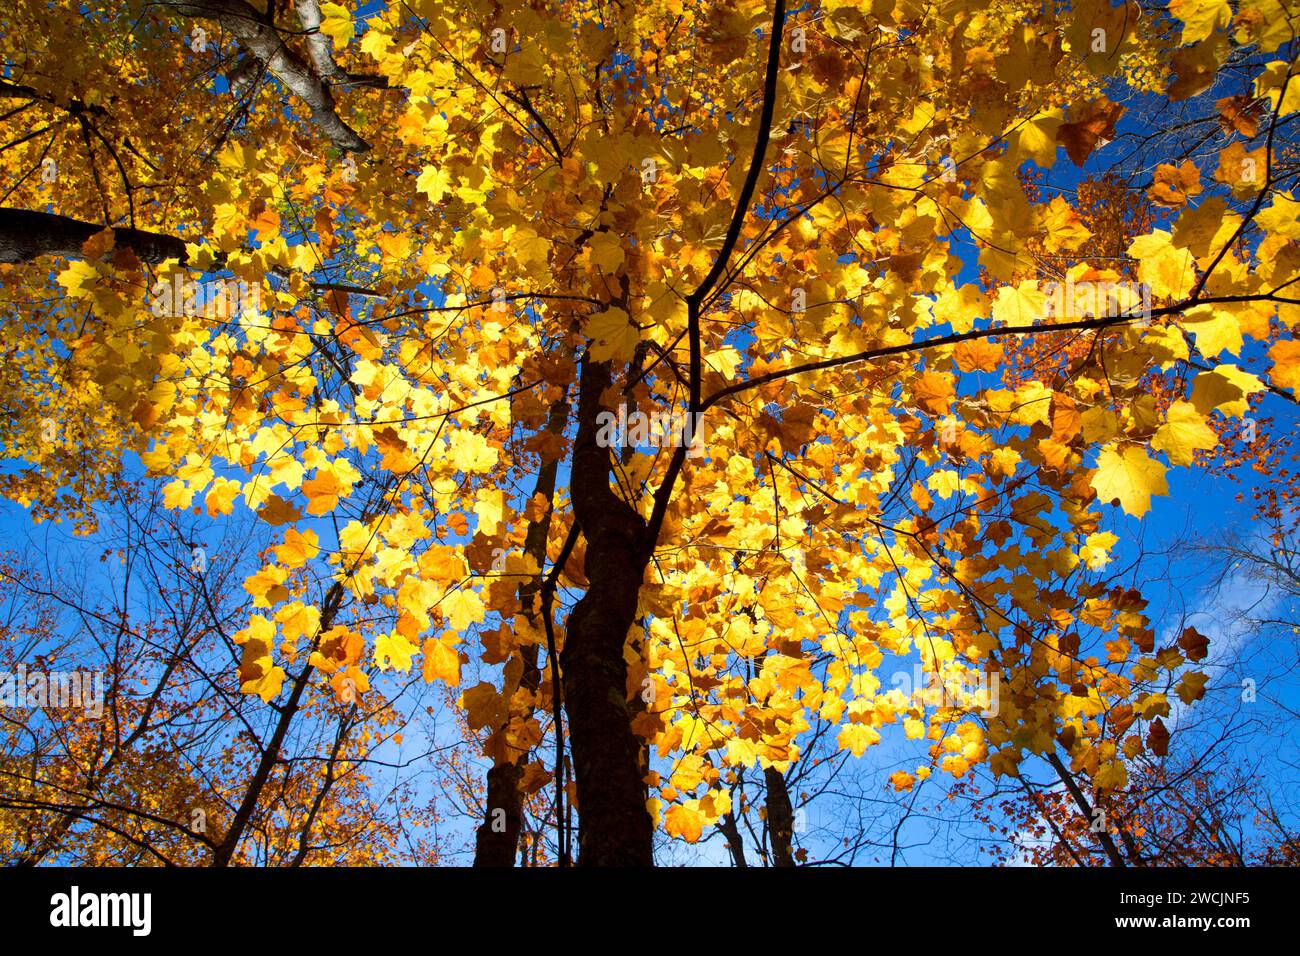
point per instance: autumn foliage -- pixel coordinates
(955, 290)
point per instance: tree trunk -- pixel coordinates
(497, 838)
(735, 842)
(497, 846)
(780, 817)
(614, 826)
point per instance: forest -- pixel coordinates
(679, 433)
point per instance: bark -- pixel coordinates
(735, 842)
(26, 235)
(263, 41)
(614, 827)
(319, 47)
(225, 850)
(497, 848)
(780, 817)
(1104, 838)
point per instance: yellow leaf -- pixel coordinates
(606, 251)
(1129, 476)
(297, 548)
(434, 182)
(441, 662)
(1167, 270)
(393, 650)
(1285, 372)
(1036, 138)
(298, 620)
(267, 586)
(1200, 17)
(1225, 389)
(462, 607)
(1215, 330)
(1183, 432)
(221, 496)
(471, 451)
(902, 780)
(685, 822)
(857, 738)
(1111, 776)
(336, 22)
(267, 683)
(615, 336)
(1096, 549)
(322, 491)
(1023, 305)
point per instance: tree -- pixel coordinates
(158, 765)
(638, 352)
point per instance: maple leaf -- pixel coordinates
(1094, 127)
(336, 22)
(978, 355)
(322, 491)
(298, 548)
(1020, 305)
(1239, 114)
(1183, 433)
(856, 738)
(221, 496)
(1194, 643)
(902, 781)
(606, 252)
(394, 650)
(441, 662)
(1224, 388)
(277, 511)
(434, 182)
(1285, 372)
(1173, 185)
(1192, 687)
(1129, 476)
(258, 674)
(267, 586)
(684, 822)
(615, 337)
(1200, 17)
(483, 706)
(1158, 738)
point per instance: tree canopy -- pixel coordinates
(659, 378)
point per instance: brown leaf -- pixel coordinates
(98, 244)
(1239, 114)
(1094, 128)
(1175, 184)
(1158, 738)
(1194, 644)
